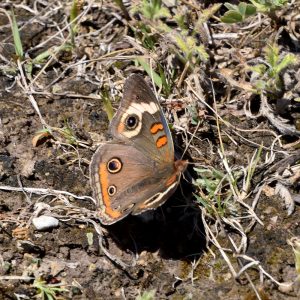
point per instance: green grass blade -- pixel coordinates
(150, 72)
(16, 37)
(107, 105)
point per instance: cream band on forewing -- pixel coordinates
(138, 109)
(159, 196)
(151, 107)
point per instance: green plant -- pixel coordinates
(47, 291)
(152, 9)
(183, 43)
(74, 12)
(65, 133)
(210, 182)
(147, 295)
(107, 103)
(68, 133)
(158, 78)
(238, 13)
(268, 6)
(219, 190)
(16, 37)
(267, 75)
(189, 48)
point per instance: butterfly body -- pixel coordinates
(135, 171)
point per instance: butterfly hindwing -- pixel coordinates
(123, 181)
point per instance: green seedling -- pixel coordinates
(147, 295)
(189, 49)
(45, 55)
(183, 43)
(210, 183)
(156, 78)
(47, 291)
(151, 9)
(238, 13)
(66, 133)
(268, 74)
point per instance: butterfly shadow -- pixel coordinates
(175, 229)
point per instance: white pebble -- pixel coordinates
(44, 222)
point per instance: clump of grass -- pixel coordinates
(107, 103)
(65, 135)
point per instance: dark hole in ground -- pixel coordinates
(255, 105)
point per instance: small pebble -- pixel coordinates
(44, 222)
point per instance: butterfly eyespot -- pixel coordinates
(131, 122)
(111, 190)
(114, 165)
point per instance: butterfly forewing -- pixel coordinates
(150, 133)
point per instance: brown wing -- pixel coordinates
(150, 132)
(125, 180)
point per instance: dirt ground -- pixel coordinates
(184, 249)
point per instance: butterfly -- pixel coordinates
(136, 171)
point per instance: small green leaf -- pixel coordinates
(250, 10)
(242, 8)
(289, 59)
(259, 69)
(230, 6)
(201, 201)
(231, 17)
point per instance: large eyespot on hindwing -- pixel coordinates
(114, 165)
(132, 121)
